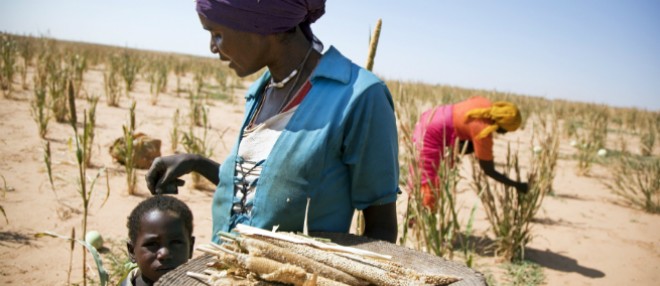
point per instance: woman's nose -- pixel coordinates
(213, 47)
(215, 44)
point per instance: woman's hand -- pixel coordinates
(522, 188)
(163, 175)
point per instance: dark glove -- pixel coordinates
(163, 175)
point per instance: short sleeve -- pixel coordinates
(370, 148)
(483, 148)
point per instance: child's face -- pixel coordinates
(162, 244)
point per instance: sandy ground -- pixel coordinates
(583, 235)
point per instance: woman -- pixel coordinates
(318, 129)
(472, 122)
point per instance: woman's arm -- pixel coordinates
(380, 222)
(488, 166)
(163, 175)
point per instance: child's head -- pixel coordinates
(160, 232)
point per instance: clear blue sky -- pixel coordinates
(599, 51)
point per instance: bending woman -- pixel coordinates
(472, 122)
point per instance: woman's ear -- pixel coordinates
(130, 248)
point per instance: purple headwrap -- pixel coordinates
(263, 16)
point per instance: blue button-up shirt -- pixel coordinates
(339, 149)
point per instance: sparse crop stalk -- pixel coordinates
(89, 129)
(509, 213)
(77, 67)
(27, 53)
(180, 69)
(38, 107)
(157, 81)
(111, 82)
(48, 162)
(431, 230)
(84, 189)
(175, 135)
(194, 144)
(129, 156)
(648, 136)
(8, 68)
(129, 69)
(196, 109)
(636, 180)
(57, 84)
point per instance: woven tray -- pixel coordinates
(419, 261)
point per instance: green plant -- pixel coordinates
(509, 213)
(648, 138)
(199, 145)
(180, 69)
(27, 53)
(525, 273)
(119, 263)
(89, 129)
(84, 190)
(637, 181)
(8, 52)
(103, 274)
(77, 68)
(111, 83)
(57, 85)
(129, 69)
(38, 106)
(196, 109)
(433, 230)
(157, 81)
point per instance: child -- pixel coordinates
(160, 232)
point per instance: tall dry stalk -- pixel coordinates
(509, 213)
(175, 135)
(129, 155)
(373, 44)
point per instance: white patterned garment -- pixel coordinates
(253, 150)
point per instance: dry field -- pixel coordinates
(583, 234)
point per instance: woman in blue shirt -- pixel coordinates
(317, 130)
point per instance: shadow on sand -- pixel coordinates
(483, 246)
(555, 261)
(10, 237)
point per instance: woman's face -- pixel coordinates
(246, 52)
(162, 244)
